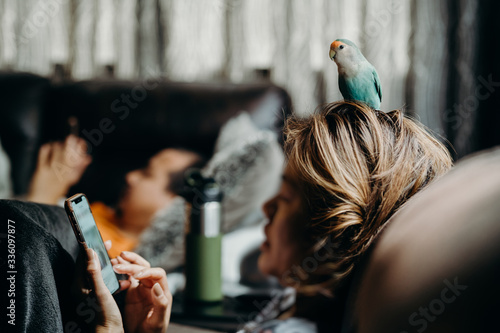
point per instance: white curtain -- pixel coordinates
(238, 40)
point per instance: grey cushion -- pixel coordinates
(247, 164)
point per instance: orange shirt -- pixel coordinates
(105, 220)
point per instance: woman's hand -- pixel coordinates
(110, 318)
(148, 302)
(60, 165)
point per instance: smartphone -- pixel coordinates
(86, 232)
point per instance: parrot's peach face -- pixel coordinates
(337, 48)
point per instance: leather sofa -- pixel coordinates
(123, 122)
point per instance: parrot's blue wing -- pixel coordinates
(344, 89)
(364, 87)
(376, 80)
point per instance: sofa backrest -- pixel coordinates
(124, 122)
(21, 120)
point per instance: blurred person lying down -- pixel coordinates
(148, 190)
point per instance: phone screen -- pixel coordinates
(92, 238)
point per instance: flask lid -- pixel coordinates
(200, 188)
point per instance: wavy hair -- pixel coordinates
(355, 167)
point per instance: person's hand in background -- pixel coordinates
(60, 165)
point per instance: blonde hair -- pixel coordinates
(355, 167)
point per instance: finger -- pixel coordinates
(111, 317)
(124, 284)
(94, 270)
(71, 156)
(118, 261)
(58, 153)
(81, 145)
(150, 276)
(86, 161)
(70, 141)
(122, 261)
(161, 306)
(78, 152)
(76, 144)
(147, 276)
(75, 157)
(108, 244)
(127, 268)
(134, 258)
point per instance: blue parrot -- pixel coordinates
(358, 79)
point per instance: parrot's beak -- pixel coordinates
(332, 54)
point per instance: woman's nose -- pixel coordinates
(269, 208)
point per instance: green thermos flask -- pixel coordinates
(203, 239)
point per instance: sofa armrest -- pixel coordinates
(436, 266)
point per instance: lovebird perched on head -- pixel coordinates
(358, 79)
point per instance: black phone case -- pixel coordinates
(78, 232)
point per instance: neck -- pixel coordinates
(133, 225)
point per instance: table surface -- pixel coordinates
(176, 328)
(226, 316)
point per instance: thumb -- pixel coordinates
(110, 319)
(94, 271)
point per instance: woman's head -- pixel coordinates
(352, 168)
